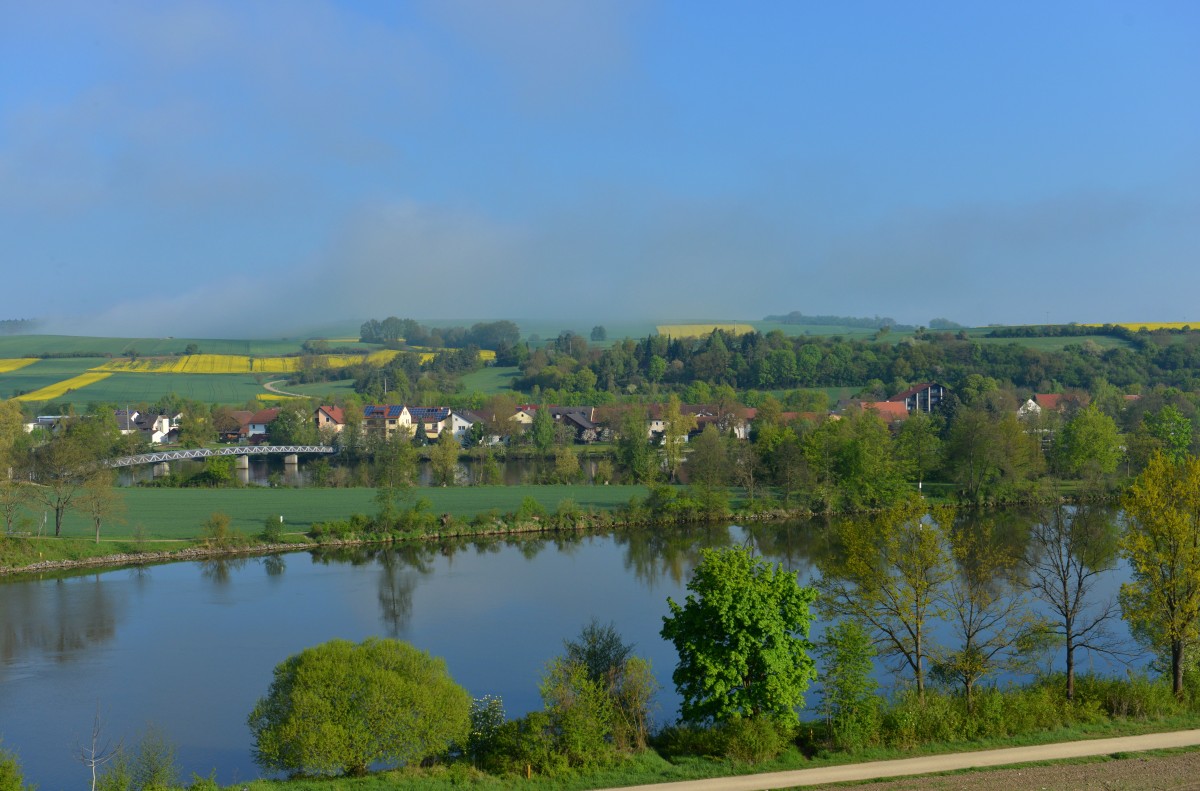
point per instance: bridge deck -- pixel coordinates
(203, 453)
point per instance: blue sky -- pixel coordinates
(219, 168)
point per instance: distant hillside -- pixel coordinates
(796, 317)
(17, 326)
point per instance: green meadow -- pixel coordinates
(177, 514)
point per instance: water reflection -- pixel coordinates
(59, 619)
(220, 571)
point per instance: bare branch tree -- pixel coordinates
(1069, 550)
(99, 751)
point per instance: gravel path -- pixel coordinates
(1152, 772)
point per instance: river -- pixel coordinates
(189, 647)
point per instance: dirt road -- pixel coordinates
(947, 763)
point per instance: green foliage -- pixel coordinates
(580, 713)
(341, 707)
(11, 778)
(627, 679)
(150, 766)
(1162, 546)
(741, 636)
(851, 706)
(753, 740)
(487, 720)
(1089, 445)
(890, 577)
(273, 529)
(530, 509)
(217, 532)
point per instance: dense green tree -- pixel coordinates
(634, 452)
(742, 639)
(918, 446)
(98, 500)
(1172, 429)
(342, 707)
(1089, 445)
(708, 458)
(541, 431)
(294, 425)
(1161, 543)
(990, 456)
(443, 459)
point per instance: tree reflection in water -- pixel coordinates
(51, 618)
(220, 570)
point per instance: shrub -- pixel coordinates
(11, 778)
(752, 740)
(530, 509)
(342, 707)
(273, 529)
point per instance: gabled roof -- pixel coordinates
(1048, 400)
(888, 410)
(391, 411)
(335, 414)
(265, 416)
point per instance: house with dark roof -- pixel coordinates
(924, 397)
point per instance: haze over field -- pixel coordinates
(217, 168)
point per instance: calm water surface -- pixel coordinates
(190, 647)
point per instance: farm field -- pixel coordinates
(20, 345)
(490, 380)
(44, 373)
(701, 329)
(121, 388)
(178, 513)
(319, 390)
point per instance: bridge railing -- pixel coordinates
(203, 453)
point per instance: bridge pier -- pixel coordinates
(162, 469)
(241, 462)
(291, 459)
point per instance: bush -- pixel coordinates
(11, 778)
(342, 707)
(530, 509)
(752, 740)
(273, 529)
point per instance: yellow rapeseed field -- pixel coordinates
(53, 391)
(11, 364)
(1153, 325)
(700, 330)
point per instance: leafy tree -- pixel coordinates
(98, 500)
(1088, 445)
(1069, 551)
(599, 333)
(918, 446)
(742, 639)
(1162, 545)
(1172, 429)
(342, 707)
(580, 713)
(541, 431)
(708, 459)
(890, 576)
(990, 455)
(985, 610)
(566, 465)
(846, 654)
(676, 426)
(633, 447)
(443, 458)
(60, 469)
(628, 680)
(293, 425)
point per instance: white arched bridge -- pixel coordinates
(204, 453)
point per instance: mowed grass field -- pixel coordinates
(179, 513)
(491, 380)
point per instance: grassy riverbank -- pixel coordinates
(165, 519)
(651, 767)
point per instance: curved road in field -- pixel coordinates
(929, 764)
